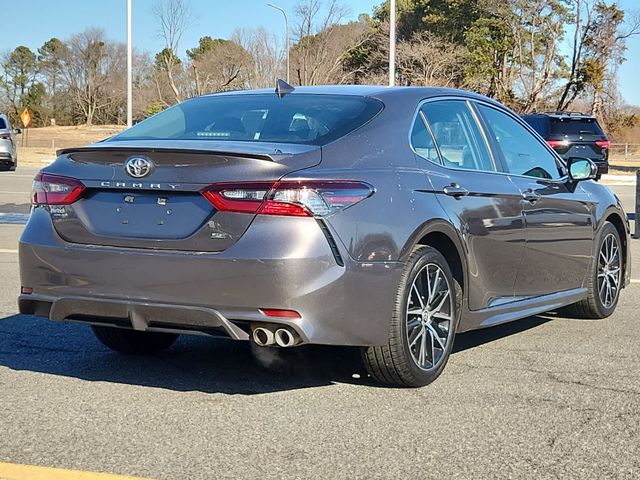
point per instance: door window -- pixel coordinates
(457, 135)
(523, 153)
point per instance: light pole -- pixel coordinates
(392, 43)
(129, 68)
(286, 30)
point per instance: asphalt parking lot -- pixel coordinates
(546, 397)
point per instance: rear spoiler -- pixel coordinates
(134, 150)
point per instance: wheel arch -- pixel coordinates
(442, 236)
(619, 223)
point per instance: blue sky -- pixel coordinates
(35, 21)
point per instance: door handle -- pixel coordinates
(455, 190)
(531, 196)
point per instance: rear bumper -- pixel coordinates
(135, 315)
(280, 262)
(6, 151)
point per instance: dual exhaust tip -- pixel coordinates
(282, 337)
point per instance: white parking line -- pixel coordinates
(8, 250)
(635, 280)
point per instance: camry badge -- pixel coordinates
(138, 167)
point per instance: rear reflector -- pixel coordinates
(278, 313)
(26, 290)
(288, 198)
(55, 190)
(603, 143)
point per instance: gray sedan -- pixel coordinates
(385, 218)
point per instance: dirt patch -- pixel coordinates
(38, 145)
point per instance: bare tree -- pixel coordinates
(174, 19)
(538, 28)
(218, 65)
(605, 47)
(321, 41)
(581, 25)
(267, 55)
(429, 60)
(95, 72)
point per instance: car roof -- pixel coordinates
(376, 91)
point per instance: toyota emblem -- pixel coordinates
(138, 167)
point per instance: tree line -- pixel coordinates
(533, 55)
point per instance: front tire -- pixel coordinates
(423, 326)
(605, 278)
(133, 341)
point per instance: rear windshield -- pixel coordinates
(295, 118)
(539, 124)
(3, 124)
(575, 127)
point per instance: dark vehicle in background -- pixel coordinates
(573, 135)
(8, 151)
(385, 218)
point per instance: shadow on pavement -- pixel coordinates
(467, 340)
(191, 364)
(197, 363)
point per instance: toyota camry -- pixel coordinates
(385, 218)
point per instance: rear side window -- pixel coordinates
(295, 118)
(457, 135)
(422, 141)
(575, 127)
(3, 124)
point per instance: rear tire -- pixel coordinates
(603, 286)
(427, 313)
(133, 341)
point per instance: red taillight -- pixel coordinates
(279, 313)
(288, 198)
(557, 143)
(242, 198)
(55, 190)
(603, 143)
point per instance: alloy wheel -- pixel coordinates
(609, 271)
(429, 317)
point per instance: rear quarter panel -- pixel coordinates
(382, 227)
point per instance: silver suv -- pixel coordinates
(8, 152)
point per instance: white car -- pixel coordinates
(8, 152)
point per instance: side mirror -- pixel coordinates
(582, 169)
(17, 131)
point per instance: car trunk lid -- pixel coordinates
(164, 208)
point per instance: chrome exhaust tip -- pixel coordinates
(263, 336)
(284, 338)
